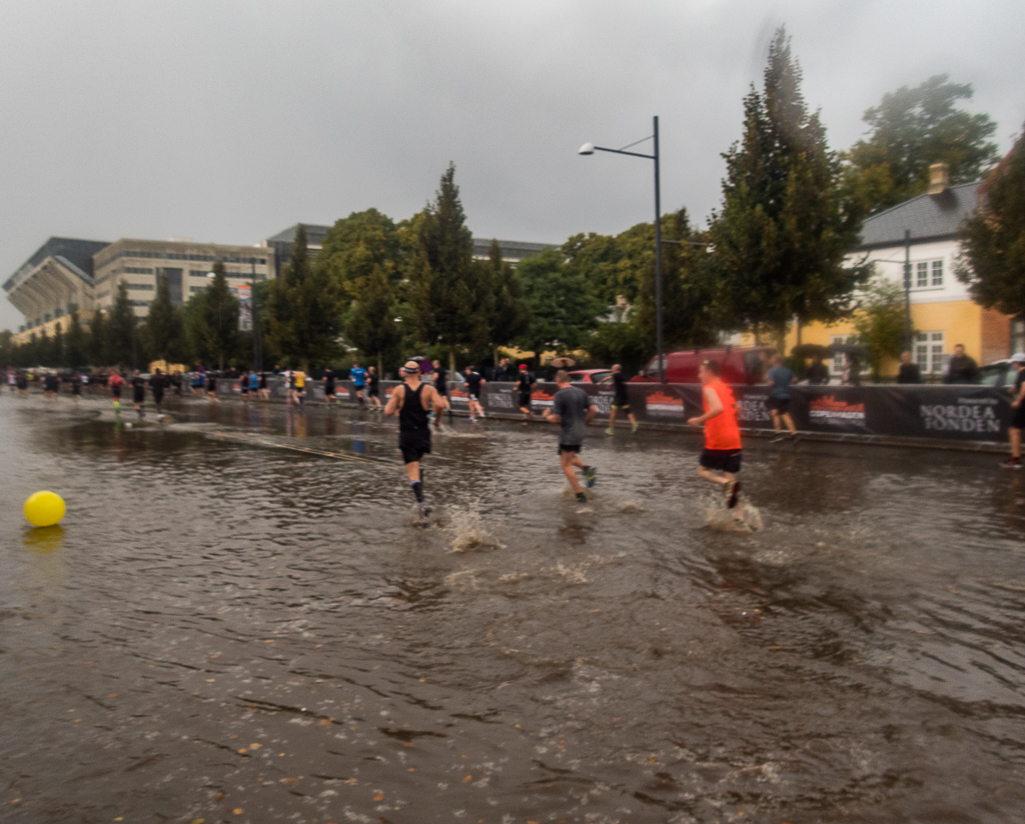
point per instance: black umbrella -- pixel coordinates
(848, 349)
(810, 350)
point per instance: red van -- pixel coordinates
(739, 366)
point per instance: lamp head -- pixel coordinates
(586, 149)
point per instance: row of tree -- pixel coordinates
(775, 251)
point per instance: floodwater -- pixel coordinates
(227, 628)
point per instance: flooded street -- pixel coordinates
(229, 628)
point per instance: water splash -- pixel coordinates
(469, 532)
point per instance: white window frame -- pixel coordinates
(936, 280)
(930, 352)
(836, 363)
(927, 274)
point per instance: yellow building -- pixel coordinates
(923, 231)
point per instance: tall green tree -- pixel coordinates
(75, 346)
(370, 324)
(121, 330)
(443, 273)
(98, 347)
(57, 346)
(500, 296)
(993, 239)
(562, 307)
(911, 129)
(355, 246)
(164, 328)
(879, 322)
(212, 319)
(304, 311)
(784, 226)
(688, 290)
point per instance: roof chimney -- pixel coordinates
(939, 178)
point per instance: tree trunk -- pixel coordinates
(452, 360)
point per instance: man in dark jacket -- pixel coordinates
(909, 371)
(961, 368)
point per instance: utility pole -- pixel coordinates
(907, 290)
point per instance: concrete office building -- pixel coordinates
(66, 275)
(513, 251)
(185, 265)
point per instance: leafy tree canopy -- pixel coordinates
(993, 239)
(911, 129)
(562, 307)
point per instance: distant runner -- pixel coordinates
(329, 387)
(720, 459)
(780, 379)
(411, 402)
(115, 383)
(441, 386)
(138, 392)
(620, 401)
(525, 384)
(358, 376)
(572, 407)
(1017, 412)
(374, 388)
(51, 387)
(76, 387)
(158, 383)
(473, 381)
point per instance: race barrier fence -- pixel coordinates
(961, 413)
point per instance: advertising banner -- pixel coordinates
(245, 307)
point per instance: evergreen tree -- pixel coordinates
(43, 354)
(993, 239)
(562, 307)
(607, 263)
(212, 320)
(371, 325)
(164, 326)
(121, 332)
(507, 312)
(443, 271)
(784, 227)
(7, 354)
(912, 129)
(99, 343)
(688, 317)
(76, 344)
(57, 346)
(304, 312)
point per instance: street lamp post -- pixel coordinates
(589, 149)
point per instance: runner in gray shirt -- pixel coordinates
(572, 408)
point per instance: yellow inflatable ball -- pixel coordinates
(44, 508)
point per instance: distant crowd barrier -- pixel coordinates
(962, 413)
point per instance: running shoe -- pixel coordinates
(581, 498)
(610, 431)
(471, 419)
(1011, 463)
(731, 501)
(779, 437)
(634, 427)
(590, 475)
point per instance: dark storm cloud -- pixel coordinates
(228, 121)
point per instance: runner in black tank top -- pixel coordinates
(408, 402)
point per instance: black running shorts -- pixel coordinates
(722, 460)
(624, 407)
(569, 447)
(414, 446)
(1018, 416)
(524, 400)
(781, 405)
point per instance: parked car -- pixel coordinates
(590, 375)
(738, 366)
(998, 373)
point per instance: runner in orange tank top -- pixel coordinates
(720, 459)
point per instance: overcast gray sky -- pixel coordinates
(229, 121)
